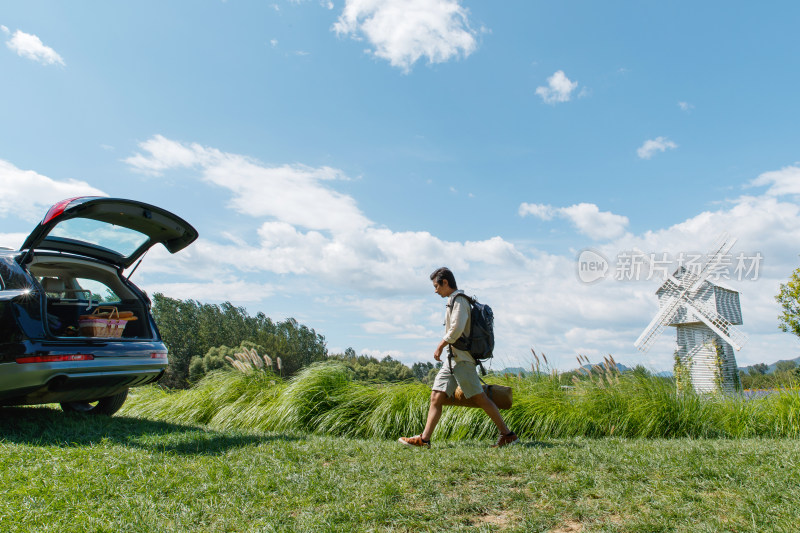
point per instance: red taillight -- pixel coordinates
(158, 355)
(58, 208)
(55, 358)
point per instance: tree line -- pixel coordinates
(786, 374)
(200, 337)
(190, 329)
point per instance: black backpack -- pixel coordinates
(480, 342)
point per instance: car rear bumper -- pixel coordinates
(72, 381)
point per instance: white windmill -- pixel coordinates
(704, 314)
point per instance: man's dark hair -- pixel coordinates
(444, 273)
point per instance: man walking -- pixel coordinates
(463, 372)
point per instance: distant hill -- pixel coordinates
(620, 367)
(516, 370)
(771, 368)
(623, 368)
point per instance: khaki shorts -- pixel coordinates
(465, 375)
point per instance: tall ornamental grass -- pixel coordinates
(324, 398)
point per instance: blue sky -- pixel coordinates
(333, 153)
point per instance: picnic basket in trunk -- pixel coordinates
(105, 321)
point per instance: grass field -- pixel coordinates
(74, 473)
(325, 399)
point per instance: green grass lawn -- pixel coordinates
(74, 473)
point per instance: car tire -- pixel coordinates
(104, 406)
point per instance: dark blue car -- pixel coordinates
(73, 329)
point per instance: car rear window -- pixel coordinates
(101, 293)
(122, 240)
(66, 289)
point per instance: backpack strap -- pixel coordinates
(470, 299)
(450, 306)
(452, 299)
(450, 356)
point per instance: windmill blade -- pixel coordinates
(694, 351)
(691, 353)
(718, 324)
(657, 325)
(672, 288)
(718, 251)
(649, 335)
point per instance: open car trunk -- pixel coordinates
(113, 230)
(87, 299)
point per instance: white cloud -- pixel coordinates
(26, 194)
(542, 211)
(4, 29)
(651, 146)
(685, 106)
(595, 223)
(393, 316)
(293, 194)
(165, 154)
(339, 243)
(31, 47)
(12, 240)
(763, 225)
(404, 31)
(587, 218)
(606, 317)
(371, 259)
(783, 181)
(559, 88)
(375, 280)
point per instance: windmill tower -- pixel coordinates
(704, 314)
